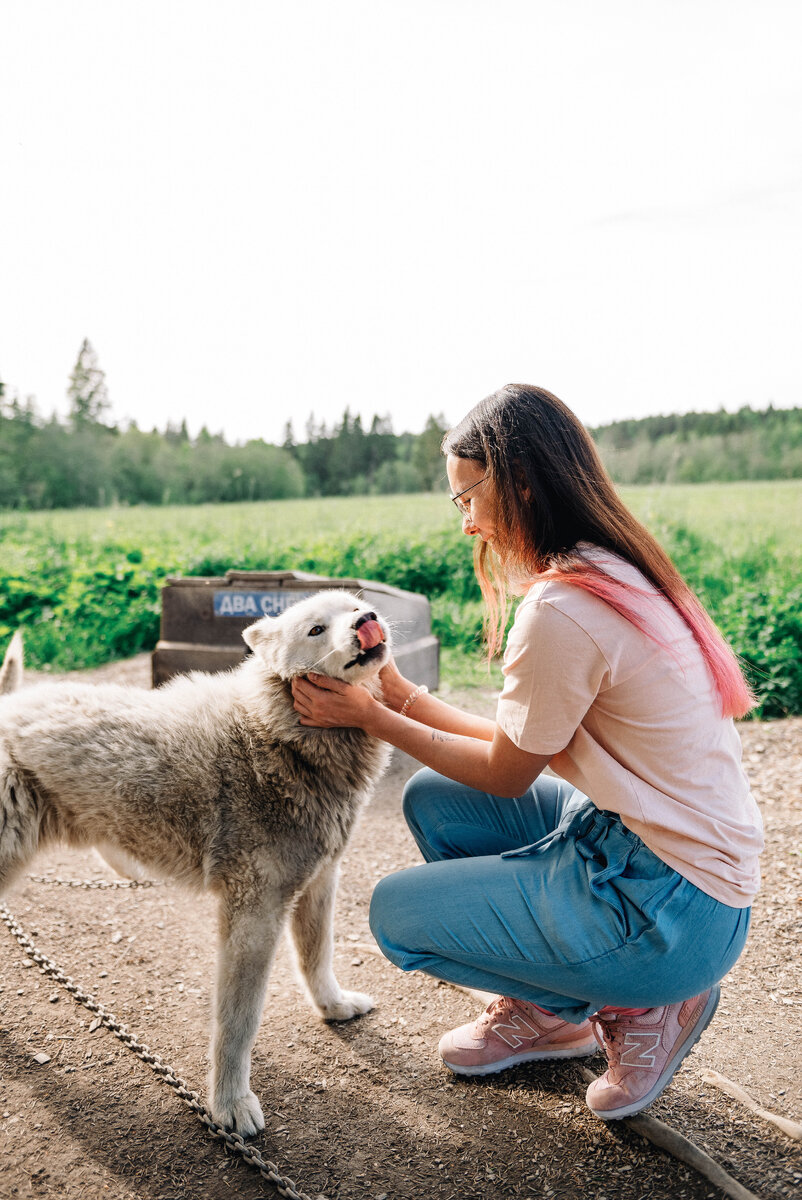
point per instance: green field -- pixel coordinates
(85, 583)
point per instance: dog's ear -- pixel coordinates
(11, 672)
(258, 633)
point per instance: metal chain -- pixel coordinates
(234, 1141)
(101, 884)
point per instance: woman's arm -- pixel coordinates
(428, 710)
(490, 765)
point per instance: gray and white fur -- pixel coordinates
(212, 781)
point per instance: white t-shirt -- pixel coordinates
(635, 726)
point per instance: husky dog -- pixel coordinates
(212, 781)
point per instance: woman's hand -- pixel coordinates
(330, 704)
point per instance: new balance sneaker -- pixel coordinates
(644, 1051)
(509, 1032)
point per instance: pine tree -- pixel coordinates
(87, 394)
(427, 456)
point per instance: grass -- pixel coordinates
(738, 515)
(85, 583)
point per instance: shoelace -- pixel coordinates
(611, 1039)
(504, 1007)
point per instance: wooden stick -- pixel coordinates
(372, 948)
(681, 1148)
(482, 997)
(791, 1128)
(365, 947)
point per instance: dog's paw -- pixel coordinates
(347, 1005)
(243, 1114)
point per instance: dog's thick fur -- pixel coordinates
(210, 780)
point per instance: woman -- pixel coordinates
(610, 900)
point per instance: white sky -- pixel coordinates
(257, 209)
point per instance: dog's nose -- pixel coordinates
(369, 631)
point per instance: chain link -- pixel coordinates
(234, 1141)
(100, 884)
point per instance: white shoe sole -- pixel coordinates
(584, 1050)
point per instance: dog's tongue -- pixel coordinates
(370, 634)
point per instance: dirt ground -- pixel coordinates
(365, 1110)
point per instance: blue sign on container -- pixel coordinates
(229, 603)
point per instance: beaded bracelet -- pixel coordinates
(411, 698)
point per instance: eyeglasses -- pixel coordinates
(460, 504)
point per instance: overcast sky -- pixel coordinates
(255, 210)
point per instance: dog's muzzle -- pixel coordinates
(369, 631)
(371, 640)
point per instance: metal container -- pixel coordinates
(203, 618)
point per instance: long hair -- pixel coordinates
(552, 493)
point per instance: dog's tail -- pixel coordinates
(11, 670)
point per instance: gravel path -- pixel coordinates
(365, 1110)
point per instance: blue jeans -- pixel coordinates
(548, 899)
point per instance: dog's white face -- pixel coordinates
(333, 632)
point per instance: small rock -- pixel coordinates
(41, 1058)
(54, 998)
(116, 937)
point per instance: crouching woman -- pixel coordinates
(605, 902)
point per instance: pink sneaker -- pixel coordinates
(644, 1052)
(509, 1032)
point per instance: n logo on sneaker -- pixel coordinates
(519, 1024)
(640, 1049)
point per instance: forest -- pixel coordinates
(87, 460)
(704, 447)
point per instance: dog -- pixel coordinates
(211, 781)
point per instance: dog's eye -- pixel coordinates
(316, 630)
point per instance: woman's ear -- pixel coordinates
(521, 481)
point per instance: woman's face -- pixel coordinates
(477, 500)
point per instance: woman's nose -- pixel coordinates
(468, 525)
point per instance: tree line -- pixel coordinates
(86, 460)
(704, 447)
